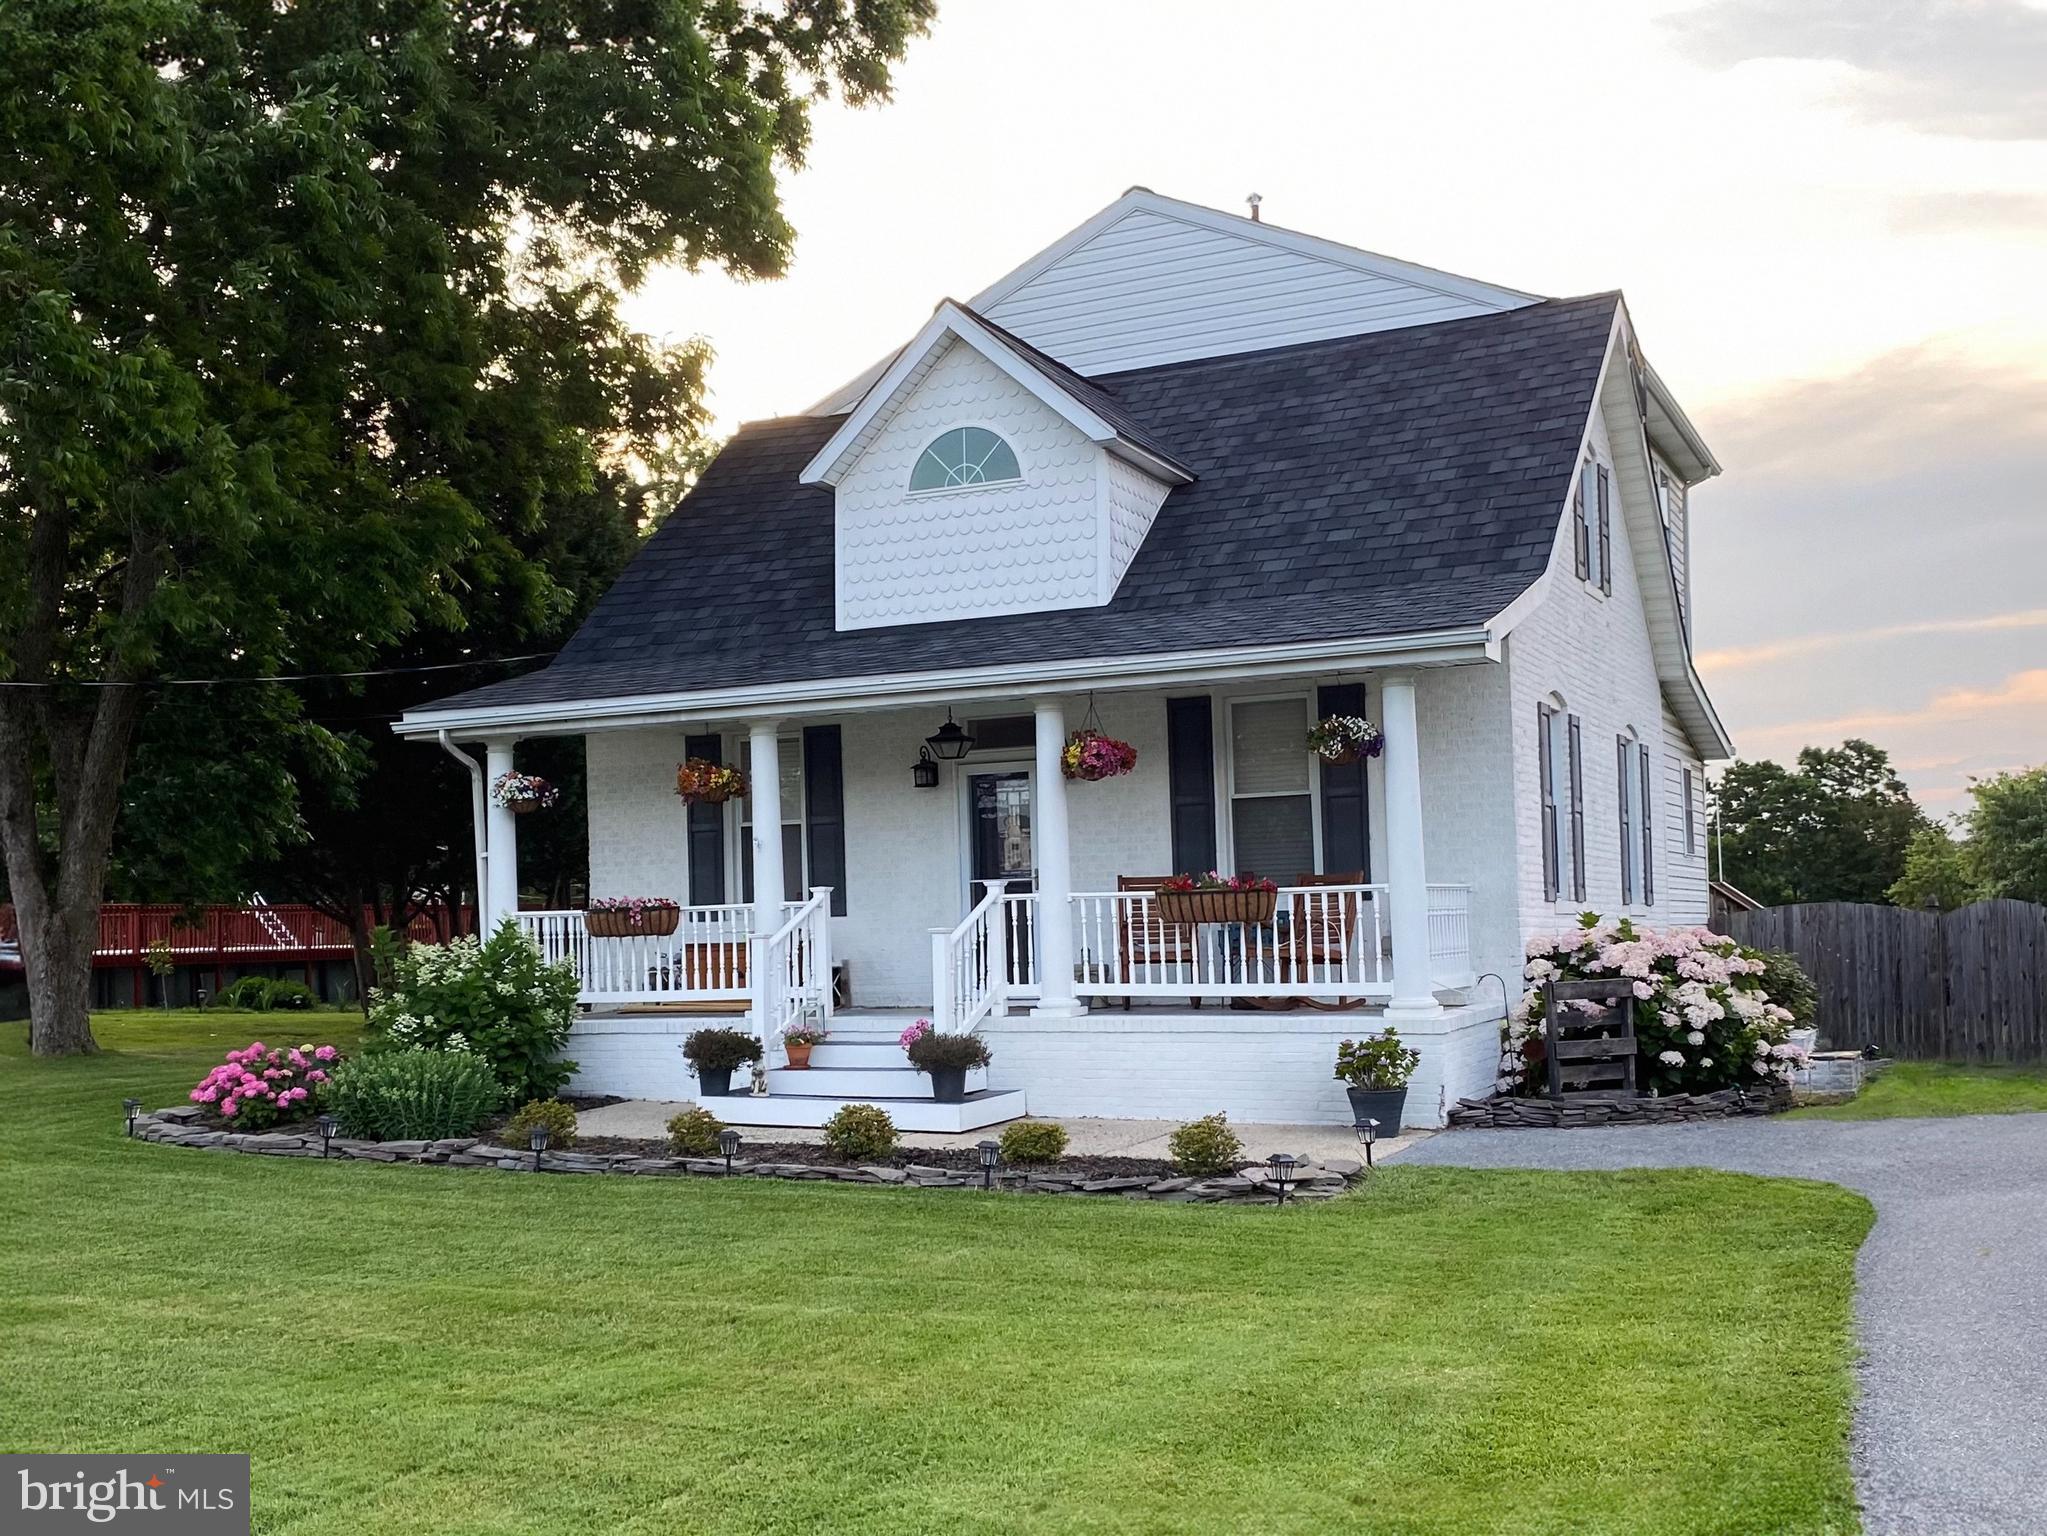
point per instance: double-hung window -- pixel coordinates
(795, 877)
(1592, 525)
(1271, 788)
(1636, 803)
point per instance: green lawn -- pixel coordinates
(1941, 1088)
(436, 1351)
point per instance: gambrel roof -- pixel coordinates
(1404, 482)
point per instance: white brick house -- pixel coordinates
(1209, 480)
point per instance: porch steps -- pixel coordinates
(792, 1110)
(865, 1082)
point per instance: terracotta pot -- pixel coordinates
(799, 1056)
(1182, 907)
(657, 921)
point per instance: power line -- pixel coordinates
(289, 677)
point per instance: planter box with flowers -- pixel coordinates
(1343, 739)
(1216, 898)
(625, 917)
(523, 792)
(700, 781)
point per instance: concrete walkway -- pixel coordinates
(647, 1119)
(1951, 1297)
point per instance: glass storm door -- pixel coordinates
(999, 847)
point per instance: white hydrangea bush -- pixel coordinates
(1702, 1019)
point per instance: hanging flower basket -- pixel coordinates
(703, 782)
(1216, 898)
(1089, 755)
(624, 917)
(523, 792)
(1344, 739)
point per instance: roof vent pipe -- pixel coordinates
(1253, 201)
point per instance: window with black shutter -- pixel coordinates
(1605, 497)
(1190, 774)
(706, 833)
(824, 811)
(1577, 735)
(1346, 818)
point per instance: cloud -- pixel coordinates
(2022, 691)
(1971, 68)
(1730, 657)
(1969, 213)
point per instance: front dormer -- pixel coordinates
(979, 477)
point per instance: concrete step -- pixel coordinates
(789, 1110)
(858, 1053)
(864, 1082)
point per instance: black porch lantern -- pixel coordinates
(728, 1143)
(991, 1153)
(1368, 1132)
(1279, 1169)
(327, 1124)
(949, 743)
(132, 1108)
(924, 771)
(537, 1140)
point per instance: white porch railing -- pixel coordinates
(792, 972)
(705, 960)
(970, 964)
(1322, 941)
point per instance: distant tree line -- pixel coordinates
(1841, 825)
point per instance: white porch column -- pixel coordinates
(1406, 863)
(1053, 848)
(765, 771)
(501, 832)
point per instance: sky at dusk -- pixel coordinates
(1830, 221)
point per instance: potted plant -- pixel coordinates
(523, 792)
(1374, 1072)
(702, 782)
(799, 1039)
(713, 1055)
(1216, 898)
(946, 1059)
(1089, 755)
(1343, 739)
(621, 917)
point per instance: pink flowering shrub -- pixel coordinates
(260, 1086)
(1702, 1019)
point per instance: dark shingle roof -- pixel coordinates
(1399, 482)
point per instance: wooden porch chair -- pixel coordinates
(1322, 931)
(1151, 941)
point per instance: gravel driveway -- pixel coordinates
(1950, 1301)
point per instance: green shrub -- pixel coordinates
(1205, 1147)
(1378, 1062)
(932, 1049)
(694, 1133)
(498, 999)
(720, 1049)
(559, 1119)
(1786, 984)
(861, 1133)
(1033, 1141)
(413, 1095)
(266, 993)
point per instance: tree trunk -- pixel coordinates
(365, 962)
(56, 960)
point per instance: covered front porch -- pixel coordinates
(991, 891)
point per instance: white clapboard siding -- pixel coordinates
(1151, 280)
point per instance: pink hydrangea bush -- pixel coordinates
(260, 1086)
(1702, 1019)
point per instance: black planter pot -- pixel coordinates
(714, 1082)
(949, 1085)
(1381, 1104)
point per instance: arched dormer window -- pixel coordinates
(964, 456)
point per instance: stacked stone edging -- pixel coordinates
(180, 1126)
(1503, 1112)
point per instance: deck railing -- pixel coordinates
(704, 960)
(970, 964)
(1322, 941)
(792, 970)
(128, 930)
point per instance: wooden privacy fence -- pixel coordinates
(1967, 985)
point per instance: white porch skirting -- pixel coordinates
(1148, 1064)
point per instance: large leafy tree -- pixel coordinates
(1834, 827)
(308, 312)
(2007, 825)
